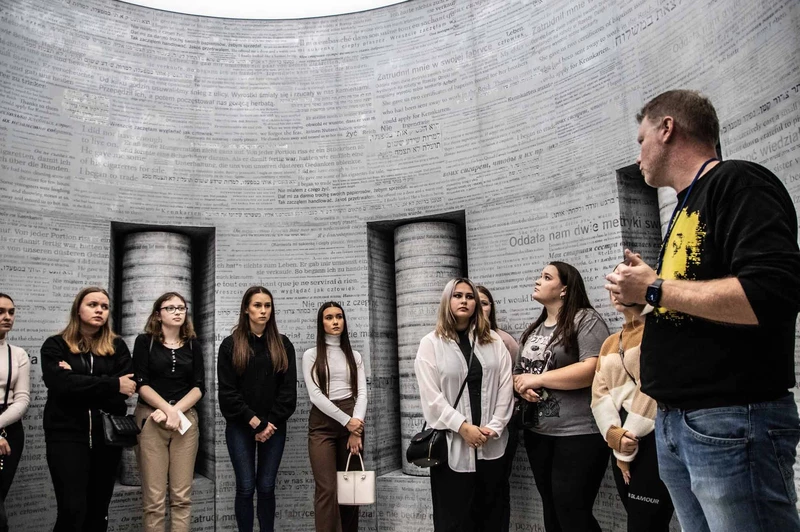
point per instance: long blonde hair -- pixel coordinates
(446, 322)
(101, 343)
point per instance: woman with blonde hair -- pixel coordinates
(87, 370)
(257, 395)
(15, 385)
(168, 364)
(467, 491)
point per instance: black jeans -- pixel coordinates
(15, 436)
(568, 471)
(83, 479)
(468, 502)
(646, 498)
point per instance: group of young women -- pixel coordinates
(89, 372)
(577, 395)
(568, 429)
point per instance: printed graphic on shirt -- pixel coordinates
(683, 253)
(536, 358)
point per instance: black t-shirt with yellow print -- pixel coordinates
(738, 221)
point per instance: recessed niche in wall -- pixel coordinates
(638, 214)
(410, 261)
(146, 261)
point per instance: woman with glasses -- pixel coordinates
(15, 391)
(556, 365)
(257, 395)
(168, 363)
(87, 369)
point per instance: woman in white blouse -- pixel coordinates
(467, 491)
(15, 385)
(337, 387)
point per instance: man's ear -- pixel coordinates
(667, 129)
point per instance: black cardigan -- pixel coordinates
(259, 391)
(75, 396)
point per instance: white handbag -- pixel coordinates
(355, 487)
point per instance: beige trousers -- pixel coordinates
(166, 458)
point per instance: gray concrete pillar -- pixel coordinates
(152, 263)
(427, 255)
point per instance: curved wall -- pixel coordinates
(288, 137)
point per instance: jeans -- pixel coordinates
(243, 448)
(729, 469)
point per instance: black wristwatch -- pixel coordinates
(653, 294)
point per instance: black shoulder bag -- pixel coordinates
(428, 447)
(118, 431)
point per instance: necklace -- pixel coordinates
(622, 356)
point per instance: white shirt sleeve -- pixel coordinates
(318, 398)
(360, 410)
(435, 407)
(504, 407)
(20, 395)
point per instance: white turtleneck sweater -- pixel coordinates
(20, 394)
(338, 381)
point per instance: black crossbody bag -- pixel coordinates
(428, 447)
(118, 431)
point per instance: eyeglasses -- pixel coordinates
(172, 309)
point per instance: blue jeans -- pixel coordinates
(242, 448)
(729, 469)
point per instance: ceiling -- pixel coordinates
(265, 9)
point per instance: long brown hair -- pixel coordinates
(446, 322)
(575, 299)
(153, 325)
(101, 343)
(492, 314)
(319, 370)
(271, 337)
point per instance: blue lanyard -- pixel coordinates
(676, 213)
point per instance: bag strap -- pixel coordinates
(347, 467)
(8, 384)
(463, 384)
(150, 351)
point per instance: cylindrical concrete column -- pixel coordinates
(152, 263)
(427, 255)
